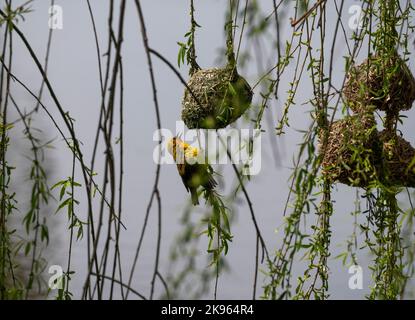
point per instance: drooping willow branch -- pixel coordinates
(155, 192)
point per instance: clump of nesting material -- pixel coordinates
(384, 82)
(399, 157)
(217, 97)
(350, 154)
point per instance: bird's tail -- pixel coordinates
(195, 197)
(211, 184)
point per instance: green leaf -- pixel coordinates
(182, 53)
(44, 233)
(80, 232)
(64, 204)
(58, 184)
(62, 193)
(232, 89)
(27, 248)
(226, 221)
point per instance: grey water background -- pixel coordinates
(73, 72)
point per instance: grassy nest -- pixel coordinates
(385, 83)
(399, 156)
(350, 155)
(222, 96)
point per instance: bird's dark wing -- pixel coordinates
(196, 175)
(182, 172)
(211, 182)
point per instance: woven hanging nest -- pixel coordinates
(399, 158)
(350, 155)
(386, 83)
(222, 96)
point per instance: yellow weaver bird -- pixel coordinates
(194, 174)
